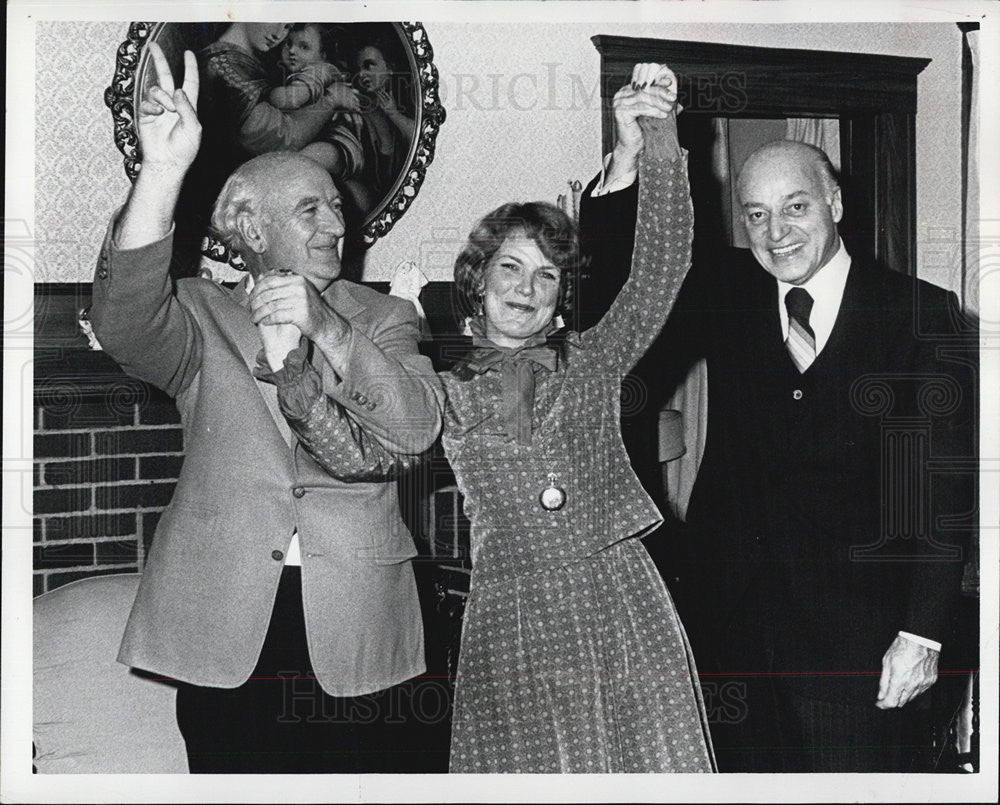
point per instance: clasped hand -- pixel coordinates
(290, 299)
(651, 93)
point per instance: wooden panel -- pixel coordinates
(64, 363)
(733, 80)
(895, 156)
(858, 176)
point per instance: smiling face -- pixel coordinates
(302, 224)
(302, 48)
(264, 36)
(790, 211)
(521, 290)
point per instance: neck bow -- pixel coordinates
(517, 368)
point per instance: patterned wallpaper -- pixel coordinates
(523, 119)
(79, 178)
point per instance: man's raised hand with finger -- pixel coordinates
(169, 138)
(169, 131)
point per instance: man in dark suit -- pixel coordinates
(819, 573)
(282, 599)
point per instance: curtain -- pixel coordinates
(824, 133)
(691, 399)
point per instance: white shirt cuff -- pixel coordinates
(623, 181)
(923, 641)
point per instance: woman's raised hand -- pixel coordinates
(652, 92)
(169, 131)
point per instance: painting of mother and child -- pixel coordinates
(342, 94)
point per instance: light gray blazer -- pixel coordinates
(209, 583)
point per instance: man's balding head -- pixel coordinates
(281, 211)
(790, 200)
(247, 191)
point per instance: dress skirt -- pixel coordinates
(581, 667)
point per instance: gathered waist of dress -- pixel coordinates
(505, 553)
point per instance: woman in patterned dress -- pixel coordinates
(573, 658)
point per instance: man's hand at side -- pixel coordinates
(908, 669)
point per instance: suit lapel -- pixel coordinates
(762, 329)
(856, 327)
(339, 297)
(234, 319)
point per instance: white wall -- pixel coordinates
(523, 119)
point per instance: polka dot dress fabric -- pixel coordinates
(572, 656)
(580, 668)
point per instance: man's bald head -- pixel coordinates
(780, 154)
(790, 200)
(282, 212)
(249, 190)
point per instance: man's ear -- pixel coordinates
(251, 232)
(836, 205)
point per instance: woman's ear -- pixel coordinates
(251, 232)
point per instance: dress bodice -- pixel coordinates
(576, 436)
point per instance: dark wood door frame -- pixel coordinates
(875, 98)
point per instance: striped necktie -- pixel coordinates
(801, 341)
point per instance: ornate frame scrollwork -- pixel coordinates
(121, 98)
(432, 115)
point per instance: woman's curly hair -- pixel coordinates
(548, 226)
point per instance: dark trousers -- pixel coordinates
(281, 721)
(765, 723)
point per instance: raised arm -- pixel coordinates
(135, 314)
(662, 253)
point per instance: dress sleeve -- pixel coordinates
(661, 258)
(326, 429)
(238, 85)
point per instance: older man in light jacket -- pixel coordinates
(267, 575)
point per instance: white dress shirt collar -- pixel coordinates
(826, 287)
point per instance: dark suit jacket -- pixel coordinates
(815, 522)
